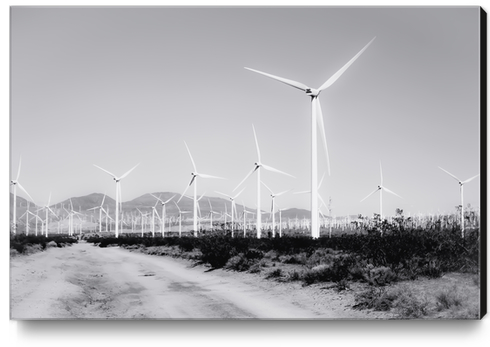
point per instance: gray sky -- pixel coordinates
(120, 86)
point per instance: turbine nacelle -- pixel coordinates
(312, 92)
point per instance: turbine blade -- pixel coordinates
(251, 172)
(269, 168)
(18, 171)
(450, 174)
(209, 176)
(50, 210)
(238, 193)
(321, 181)
(25, 191)
(291, 83)
(177, 205)
(370, 194)
(190, 155)
(187, 187)
(321, 126)
(256, 143)
(381, 172)
(322, 201)
(114, 176)
(201, 196)
(169, 199)
(127, 173)
(339, 73)
(103, 199)
(265, 185)
(303, 192)
(284, 192)
(223, 194)
(156, 197)
(470, 179)
(389, 191)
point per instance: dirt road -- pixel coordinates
(88, 282)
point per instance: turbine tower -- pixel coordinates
(461, 183)
(16, 183)
(316, 118)
(233, 207)
(118, 192)
(101, 208)
(257, 166)
(194, 175)
(164, 203)
(381, 188)
(273, 196)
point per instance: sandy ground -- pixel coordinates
(87, 282)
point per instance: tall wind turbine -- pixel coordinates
(194, 175)
(273, 196)
(461, 183)
(118, 192)
(316, 118)
(381, 188)
(257, 166)
(164, 203)
(16, 183)
(233, 206)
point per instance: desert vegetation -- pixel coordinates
(380, 268)
(28, 244)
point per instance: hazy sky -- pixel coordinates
(120, 86)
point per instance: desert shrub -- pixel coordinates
(216, 250)
(379, 276)
(255, 268)
(274, 274)
(272, 255)
(407, 305)
(238, 263)
(337, 269)
(447, 299)
(376, 298)
(341, 285)
(294, 275)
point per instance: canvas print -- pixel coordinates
(318, 163)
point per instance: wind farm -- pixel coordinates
(250, 145)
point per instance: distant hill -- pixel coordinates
(83, 203)
(146, 201)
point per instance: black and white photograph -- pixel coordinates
(247, 163)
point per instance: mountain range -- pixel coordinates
(145, 203)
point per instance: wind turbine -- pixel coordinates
(316, 118)
(273, 196)
(153, 212)
(16, 183)
(48, 209)
(257, 166)
(381, 188)
(461, 183)
(143, 215)
(233, 206)
(245, 212)
(194, 175)
(118, 192)
(101, 208)
(163, 211)
(211, 211)
(180, 218)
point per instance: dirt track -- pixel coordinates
(88, 282)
